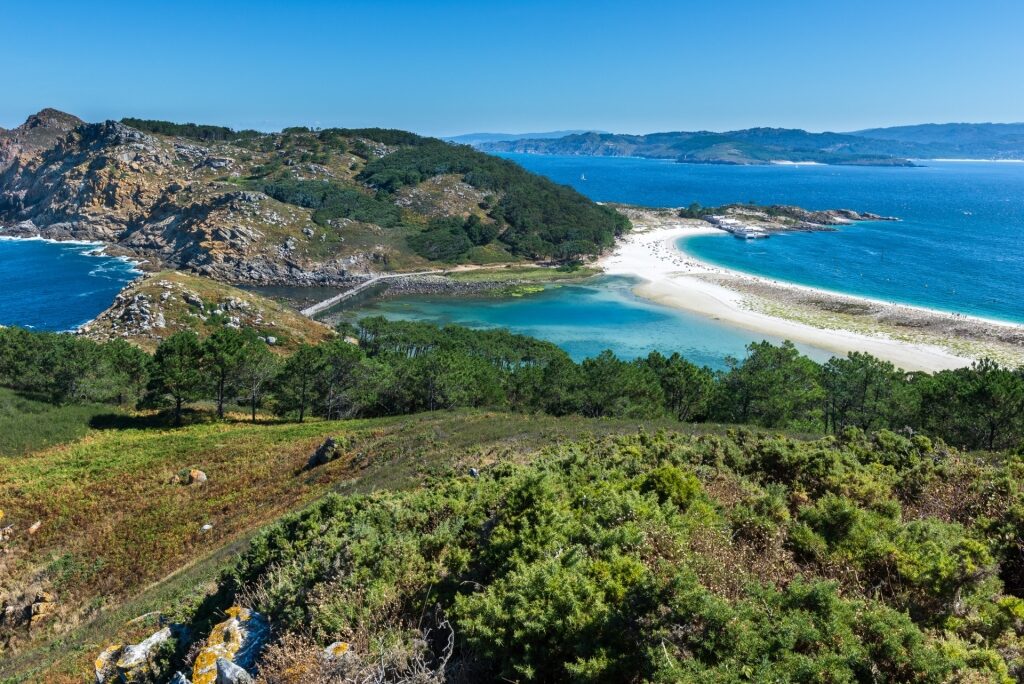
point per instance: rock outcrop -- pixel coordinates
(40, 132)
(136, 663)
(237, 641)
(160, 304)
(178, 202)
(325, 453)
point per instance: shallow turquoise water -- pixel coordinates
(959, 246)
(57, 285)
(586, 319)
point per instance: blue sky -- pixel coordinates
(453, 67)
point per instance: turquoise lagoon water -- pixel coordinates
(57, 285)
(585, 319)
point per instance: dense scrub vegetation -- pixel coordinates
(394, 368)
(118, 518)
(659, 558)
(331, 201)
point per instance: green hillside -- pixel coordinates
(490, 510)
(358, 175)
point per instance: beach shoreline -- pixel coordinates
(912, 338)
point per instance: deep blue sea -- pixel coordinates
(57, 285)
(959, 246)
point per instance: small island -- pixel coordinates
(752, 221)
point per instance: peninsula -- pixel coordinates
(912, 338)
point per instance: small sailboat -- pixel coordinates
(583, 176)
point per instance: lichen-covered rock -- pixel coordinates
(44, 605)
(105, 664)
(196, 476)
(132, 663)
(336, 650)
(179, 678)
(137, 662)
(238, 640)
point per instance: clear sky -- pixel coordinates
(449, 67)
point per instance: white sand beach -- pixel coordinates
(674, 278)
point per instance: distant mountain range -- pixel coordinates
(895, 146)
(477, 139)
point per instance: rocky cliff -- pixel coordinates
(195, 205)
(167, 200)
(39, 132)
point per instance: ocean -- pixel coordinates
(958, 247)
(57, 285)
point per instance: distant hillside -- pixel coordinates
(476, 139)
(750, 146)
(875, 147)
(297, 207)
(958, 140)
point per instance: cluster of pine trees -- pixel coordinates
(381, 367)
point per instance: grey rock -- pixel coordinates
(325, 453)
(230, 673)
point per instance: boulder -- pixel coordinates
(336, 650)
(137, 662)
(238, 640)
(105, 665)
(325, 453)
(179, 678)
(133, 663)
(229, 673)
(196, 476)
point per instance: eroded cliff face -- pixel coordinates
(169, 201)
(39, 132)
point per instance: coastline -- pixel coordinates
(912, 338)
(91, 248)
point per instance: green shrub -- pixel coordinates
(577, 567)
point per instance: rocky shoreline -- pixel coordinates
(752, 221)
